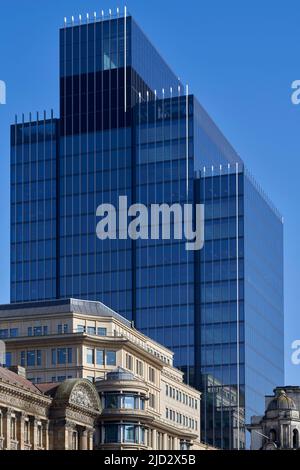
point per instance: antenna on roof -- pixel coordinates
(72, 19)
(65, 20)
(80, 18)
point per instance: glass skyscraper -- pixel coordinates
(128, 127)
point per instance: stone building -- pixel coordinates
(279, 428)
(127, 421)
(60, 416)
(74, 339)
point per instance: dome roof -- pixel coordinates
(120, 374)
(281, 402)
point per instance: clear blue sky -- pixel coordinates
(239, 59)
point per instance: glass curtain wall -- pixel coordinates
(95, 161)
(33, 210)
(220, 355)
(164, 275)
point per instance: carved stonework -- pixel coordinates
(13, 401)
(81, 396)
(78, 417)
(43, 421)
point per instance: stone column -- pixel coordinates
(90, 440)
(6, 428)
(45, 431)
(21, 430)
(176, 443)
(154, 439)
(84, 440)
(33, 433)
(165, 441)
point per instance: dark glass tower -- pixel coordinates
(128, 127)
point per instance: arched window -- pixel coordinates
(272, 435)
(295, 439)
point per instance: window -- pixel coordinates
(30, 358)
(62, 329)
(70, 355)
(53, 355)
(13, 332)
(167, 390)
(39, 358)
(13, 428)
(3, 334)
(80, 329)
(102, 331)
(45, 330)
(128, 362)
(39, 435)
(61, 356)
(111, 401)
(37, 331)
(184, 445)
(295, 439)
(151, 400)
(167, 413)
(23, 359)
(142, 435)
(111, 434)
(61, 378)
(90, 356)
(151, 374)
(29, 331)
(91, 330)
(129, 433)
(99, 357)
(272, 435)
(26, 432)
(111, 359)
(128, 402)
(139, 368)
(8, 359)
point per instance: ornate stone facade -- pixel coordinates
(80, 339)
(279, 428)
(46, 417)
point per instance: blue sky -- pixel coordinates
(239, 59)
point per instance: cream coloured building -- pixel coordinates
(66, 339)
